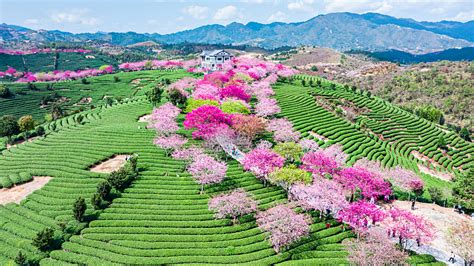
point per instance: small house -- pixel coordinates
(213, 60)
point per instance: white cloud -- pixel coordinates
(357, 6)
(278, 16)
(464, 16)
(31, 21)
(226, 13)
(253, 1)
(75, 16)
(301, 5)
(197, 12)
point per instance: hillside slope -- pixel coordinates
(342, 31)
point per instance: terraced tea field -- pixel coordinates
(391, 135)
(161, 218)
(28, 102)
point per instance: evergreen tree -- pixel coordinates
(44, 239)
(20, 259)
(79, 208)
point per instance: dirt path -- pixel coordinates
(441, 218)
(320, 137)
(20, 142)
(145, 118)
(17, 193)
(112, 164)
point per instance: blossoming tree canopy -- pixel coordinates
(284, 225)
(188, 154)
(405, 225)
(319, 163)
(289, 175)
(374, 248)
(322, 195)
(207, 170)
(262, 162)
(248, 125)
(360, 214)
(206, 119)
(369, 184)
(170, 143)
(163, 119)
(233, 204)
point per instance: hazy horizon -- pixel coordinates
(163, 17)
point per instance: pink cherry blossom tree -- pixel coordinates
(170, 143)
(322, 195)
(282, 130)
(405, 225)
(284, 225)
(262, 162)
(233, 204)
(206, 119)
(267, 107)
(360, 215)
(234, 92)
(207, 170)
(308, 145)
(163, 119)
(369, 184)
(319, 164)
(374, 248)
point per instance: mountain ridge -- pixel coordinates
(342, 31)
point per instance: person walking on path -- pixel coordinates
(452, 258)
(413, 204)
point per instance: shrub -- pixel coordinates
(79, 208)
(96, 201)
(44, 239)
(26, 123)
(40, 131)
(85, 81)
(291, 151)
(103, 190)
(116, 79)
(154, 95)
(20, 259)
(121, 179)
(465, 134)
(234, 107)
(8, 126)
(177, 97)
(290, 175)
(193, 104)
(4, 91)
(436, 194)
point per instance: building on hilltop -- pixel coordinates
(213, 60)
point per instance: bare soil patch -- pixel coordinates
(144, 118)
(85, 100)
(110, 165)
(20, 142)
(136, 81)
(427, 170)
(440, 175)
(320, 137)
(441, 218)
(19, 192)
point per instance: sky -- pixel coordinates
(167, 16)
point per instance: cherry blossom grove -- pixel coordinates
(318, 178)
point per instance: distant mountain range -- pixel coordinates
(463, 54)
(341, 31)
